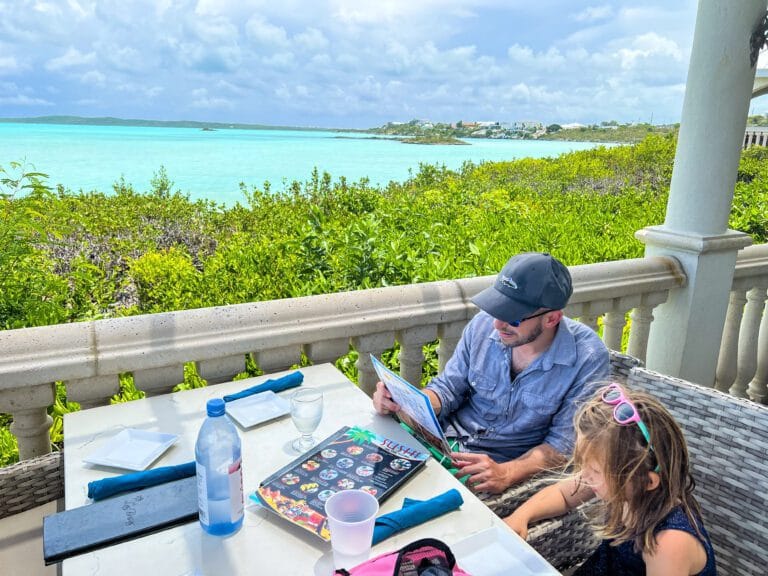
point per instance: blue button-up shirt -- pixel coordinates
(489, 412)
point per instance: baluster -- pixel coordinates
(758, 387)
(366, 345)
(589, 320)
(91, 392)
(412, 343)
(641, 318)
(449, 335)
(327, 350)
(31, 423)
(31, 430)
(217, 370)
(613, 328)
(729, 344)
(275, 359)
(154, 381)
(747, 353)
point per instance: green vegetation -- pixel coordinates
(68, 257)
(610, 131)
(606, 132)
(433, 139)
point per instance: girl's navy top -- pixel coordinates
(623, 560)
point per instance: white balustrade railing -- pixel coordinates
(742, 367)
(90, 356)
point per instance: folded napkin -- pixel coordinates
(276, 385)
(106, 487)
(415, 512)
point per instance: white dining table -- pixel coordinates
(267, 544)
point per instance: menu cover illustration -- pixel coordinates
(351, 457)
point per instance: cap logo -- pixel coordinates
(507, 281)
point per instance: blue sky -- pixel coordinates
(346, 63)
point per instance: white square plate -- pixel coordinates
(132, 449)
(258, 408)
(498, 552)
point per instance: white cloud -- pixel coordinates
(266, 34)
(348, 61)
(647, 46)
(201, 99)
(46, 8)
(279, 61)
(93, 78)
(311, 39)
(550, 59)
(593, 13)
(76, 7)
(124, 58)
(24, 101)
(8, 64)
(71, 58)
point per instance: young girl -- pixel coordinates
(632, 455)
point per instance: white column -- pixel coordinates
(685, 337)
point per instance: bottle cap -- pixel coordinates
(215, 407)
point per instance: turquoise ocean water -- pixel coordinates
(211, 164)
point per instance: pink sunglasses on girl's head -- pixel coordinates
(625, 413)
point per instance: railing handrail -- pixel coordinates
(89, 356)
(33, 356)
(751, 263)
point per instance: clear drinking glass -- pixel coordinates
(306, 412)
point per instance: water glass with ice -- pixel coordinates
(306, 412)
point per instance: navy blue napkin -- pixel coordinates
(415, 512)
(106, 487)
(276, 385)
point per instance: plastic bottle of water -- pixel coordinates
(219, 473)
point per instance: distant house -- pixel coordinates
(527, 125)
(572, 126)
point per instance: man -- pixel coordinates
(509, 392)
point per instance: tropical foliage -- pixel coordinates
(67, 257)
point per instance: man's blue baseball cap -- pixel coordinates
(528, 281)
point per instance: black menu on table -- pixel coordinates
(351, 457)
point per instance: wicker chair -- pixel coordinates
(31, 483)
(505, 503)
(727, 440)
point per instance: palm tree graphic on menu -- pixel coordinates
(359, 436)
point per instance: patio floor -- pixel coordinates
(21, 543)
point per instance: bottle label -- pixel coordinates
(202, 494)
(236, 489)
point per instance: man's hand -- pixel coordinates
(382, 400)
(485, 474)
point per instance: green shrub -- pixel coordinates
(75, 256)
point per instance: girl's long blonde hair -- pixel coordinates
(631, 511)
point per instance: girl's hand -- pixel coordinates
(519, 523)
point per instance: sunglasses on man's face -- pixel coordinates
(517, 323)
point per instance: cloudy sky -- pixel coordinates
(346, 63)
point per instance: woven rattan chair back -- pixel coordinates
(728, 441)
(31, 483)
(504, 504)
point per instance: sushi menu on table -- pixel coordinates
(349, 458)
